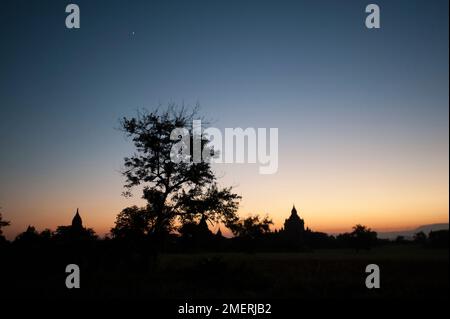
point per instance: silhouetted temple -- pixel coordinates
(77, 223)
(75, 231)
(294, 226)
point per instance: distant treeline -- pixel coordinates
(251, 235)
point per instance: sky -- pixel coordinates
(362, 114)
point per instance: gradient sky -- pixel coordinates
(362, 114)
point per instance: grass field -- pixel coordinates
(406, 272)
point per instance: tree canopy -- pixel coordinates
(180, 190)
(3, 223)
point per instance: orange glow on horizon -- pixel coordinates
(330, 196)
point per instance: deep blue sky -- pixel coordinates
(344, 98)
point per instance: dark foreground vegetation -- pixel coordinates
(111, 269)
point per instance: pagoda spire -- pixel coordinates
(77, 221)
(294, 210)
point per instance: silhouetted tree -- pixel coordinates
(438, 239)
(251, 227)
(210, 204)
(68, 233)
(32, 236)
(133, 223)
(176, 187)
(3, 223)
(363, 237)
(29, 236)
(344, 240)
(420, 238)
(319, 240)
(196, 235)
(46, 234)
(400, 239)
